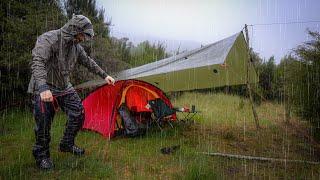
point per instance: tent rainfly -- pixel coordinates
(222, 63)
(101, 106)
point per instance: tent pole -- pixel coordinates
(256, 119)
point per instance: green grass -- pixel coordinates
(225, 124)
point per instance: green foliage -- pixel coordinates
(122, 49)
(267, 78)
(303, 80)
(255, 58)
(85, 7)
(296, 81)
(145, 52)
(21, 23)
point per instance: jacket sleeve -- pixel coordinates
(89, 63)
(40, 55)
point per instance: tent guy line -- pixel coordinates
(283, 23)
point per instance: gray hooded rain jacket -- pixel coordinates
(55, 54)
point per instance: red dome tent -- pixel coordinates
(101, 106)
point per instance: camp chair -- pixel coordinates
(187, 113)
(161, 111)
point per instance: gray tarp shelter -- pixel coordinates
(222, 63)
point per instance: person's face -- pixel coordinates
(79, 38)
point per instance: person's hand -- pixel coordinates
(110, 80)
(46, 96)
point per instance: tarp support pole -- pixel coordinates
(256, 119)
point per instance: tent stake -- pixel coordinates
(256, 119)
(257, 158)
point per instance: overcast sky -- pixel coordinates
(206, 21)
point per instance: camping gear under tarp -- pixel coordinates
(101, 106)
(223, 63)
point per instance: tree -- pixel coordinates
(309, 56)
(21, 23)
(302, 80)
(84, 7)
(266, 71)
(145, 52)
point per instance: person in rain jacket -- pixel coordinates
(53, 59)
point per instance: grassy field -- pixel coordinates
(225, 125)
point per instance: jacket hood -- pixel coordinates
(77, 24)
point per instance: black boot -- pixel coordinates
(72, 105)
(72, 149)
(45, 164)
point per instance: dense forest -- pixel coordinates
(295, 81)
(23, 21)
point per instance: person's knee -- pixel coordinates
(78, 114)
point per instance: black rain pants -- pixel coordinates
(44, 112)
